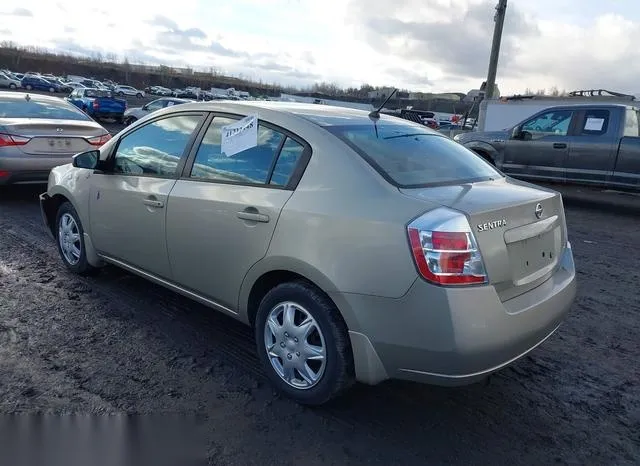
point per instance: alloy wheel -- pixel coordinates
(69, 239)
(295, 345)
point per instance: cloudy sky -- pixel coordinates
(428, 45)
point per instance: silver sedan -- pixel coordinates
(357, 246)
(40, 132)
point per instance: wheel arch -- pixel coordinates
(272, 271)
(484, 150)
(58, 195)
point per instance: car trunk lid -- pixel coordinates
(52, 137)
(520, 229)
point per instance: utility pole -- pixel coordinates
(501, 10)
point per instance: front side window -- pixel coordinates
(156, 148)
(555, 122)
(409, 156)
(596, 123)
(249, 166)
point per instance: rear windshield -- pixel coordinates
(411, 157)
(97, 93)
(22, 108)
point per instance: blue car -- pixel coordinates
(40, 84)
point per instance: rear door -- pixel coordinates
(128, 203)
(541, 154)
(223, 211)
(593, 146)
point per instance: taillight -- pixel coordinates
(445, 250)
(12, 140)
(99, 140)
(96, 104)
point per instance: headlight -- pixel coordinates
(457, 137)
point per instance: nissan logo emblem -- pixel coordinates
(539, 210)
(59, 130)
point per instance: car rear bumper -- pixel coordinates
(27, 169)
(448, 336)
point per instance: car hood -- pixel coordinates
(135, 111)
(486, 136)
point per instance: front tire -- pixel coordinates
(130, 121)
(70, 240)
(303, 343)
(28, 87)
(139, 96)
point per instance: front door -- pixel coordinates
(223, 212)
(128, 204)
(541, 152)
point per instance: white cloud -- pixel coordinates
(432, 45)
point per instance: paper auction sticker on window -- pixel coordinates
(240, 136)
(594, 124)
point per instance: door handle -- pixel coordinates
(253, 216)
(153, 203)
(559, 145)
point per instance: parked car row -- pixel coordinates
(57, 84)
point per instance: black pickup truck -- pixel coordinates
(596, 145)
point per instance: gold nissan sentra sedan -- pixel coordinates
(358, 246)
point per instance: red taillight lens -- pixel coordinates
(12, 140)
(96, 104)
(446, 257)
(99, 140)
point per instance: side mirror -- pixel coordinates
(145, 106)
(87, 159)
(516, 133)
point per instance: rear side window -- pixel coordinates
(631, 127)
(155, 149)
(287, 162)
(250, 166)
(23, 108)
(596, 123)
(408, 156)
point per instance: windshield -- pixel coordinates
(410, 157)
(14, 108)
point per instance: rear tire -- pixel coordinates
(321, 349)
(130, 121)
(28, 87)
(139, 96)
(52, 90)
(12, 86)
(70, 240)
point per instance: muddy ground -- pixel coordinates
(118, 344)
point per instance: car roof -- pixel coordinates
(322, 115)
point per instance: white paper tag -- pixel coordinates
(594, 124)
(170, 103)
(240, 136)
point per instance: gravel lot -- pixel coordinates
(116, 343)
